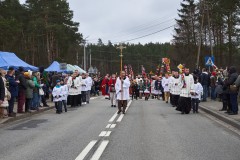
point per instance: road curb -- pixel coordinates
(26, 115)
(223, 118)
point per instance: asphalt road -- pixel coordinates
(151, 130)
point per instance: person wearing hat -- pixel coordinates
(13, 89)
(21, 90)
(58, 96)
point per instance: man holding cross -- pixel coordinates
(122, 91)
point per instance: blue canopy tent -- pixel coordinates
(79, 69)
(54, 67)
(8, 59)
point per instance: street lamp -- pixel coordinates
(84, 56)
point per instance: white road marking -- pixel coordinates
(83, 154)
(100, 150)
(120, 118)
(105, 133)
(108, 126)
(102, 134)
(113, 126)
(92, 98)
(113, 118)
(108, 133)
(103, 98)
(129, 103)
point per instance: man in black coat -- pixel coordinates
(2, 91)
(205, 81)
(233, 94)
(21, 90)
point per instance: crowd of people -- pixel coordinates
(33, 89)
(184, 91)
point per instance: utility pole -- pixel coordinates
(90, 57)
(77, 58)
(209, 30)
(84, 55)
(200, 38)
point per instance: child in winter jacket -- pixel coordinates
(58, 96)
(196, 95)
(65, 94)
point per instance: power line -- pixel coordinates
(144, 30)
(145, 35)
(142, 26)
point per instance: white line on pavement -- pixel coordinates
(83, 154)
(100, 150)
(102, 134)
(129, 103)
(113, 126)
(108, 133)
(120, 118)
(108, 126)
(105, 133)
(113, 118)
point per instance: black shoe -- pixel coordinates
(182, 113)
(233, 113)
(166, 101)
(123, 112)
(114, 106)
(222, 109)
(65, 110)
(119, 112)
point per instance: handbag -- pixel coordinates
(41, 92)
(8, 95)
(233, 88)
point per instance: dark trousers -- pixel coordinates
(21, 100)
(28, 104)
(43, 97)
(122, 104)
(64, 102)
(84, 96)
(185, 104)
(226, 102)
(11, 104)
(171, 99)
(58, 106)
(175, 99)
(195, 104)
(205, 92)
(234, 102)
(213, 93)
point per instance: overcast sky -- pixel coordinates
(122, 20)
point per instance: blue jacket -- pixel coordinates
(13, 86)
